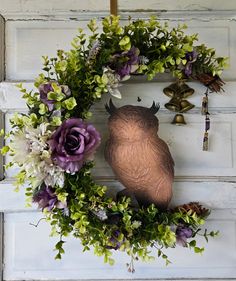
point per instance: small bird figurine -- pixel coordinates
(140, 160)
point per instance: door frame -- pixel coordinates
(2, 48)
(1, 245)
(2, 77)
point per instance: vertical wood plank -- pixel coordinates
(113, 7)
(2, 48)
(1, 246)
(2, 126)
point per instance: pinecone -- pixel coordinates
(194, 207)
(214, 83)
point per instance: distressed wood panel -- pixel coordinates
(55, 6)
(185, 142)
(1, 245)
(29, 255)
(131, 90)
(213, 194)
(147, 91)
(46, 26)
(2, 48)
(2, 126)
(180, 5)
(27, 41)
(38, 41)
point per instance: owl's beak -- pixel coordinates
(110, 108)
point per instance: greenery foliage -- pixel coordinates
(89, 70)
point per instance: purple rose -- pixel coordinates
(182, 234)
(44, 89)
(73, 143)
(46, 198)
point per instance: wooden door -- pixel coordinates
(31, 29)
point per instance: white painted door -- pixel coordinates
(36, 28)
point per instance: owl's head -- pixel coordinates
(132, 122)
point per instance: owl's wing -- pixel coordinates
(127, 164)
(108, 151)
(162, 152)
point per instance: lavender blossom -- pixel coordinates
(182, 234)
(47, 199)
(73, 143)
(191, 57)
(94, 51)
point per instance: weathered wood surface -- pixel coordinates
(1, 245)
(2, 48)
(56, 7)
(29, 255)
(28, 41)
(207, 177)
(36, 28)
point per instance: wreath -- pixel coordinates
(53, 144)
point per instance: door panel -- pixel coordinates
(29, 255)
(36, 29)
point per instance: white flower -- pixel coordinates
(101, 214)
(113, 82)
(20, 146)
(32, 153)
(143, 60)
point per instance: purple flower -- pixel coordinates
(46, 88)
(94, 51)
(182, 234)
(191, 57)
(73, 143)
(46, 198)
(127, 62)
(114, 243)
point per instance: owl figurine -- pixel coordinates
(140, 160)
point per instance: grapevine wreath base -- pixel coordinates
(54, 144)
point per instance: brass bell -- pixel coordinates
(173, 104)
(178, 120)
(178, 88)
(185, 106)
(184, 90)
(171, 90)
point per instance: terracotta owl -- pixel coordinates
(140, 160)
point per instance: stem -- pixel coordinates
(37, 224)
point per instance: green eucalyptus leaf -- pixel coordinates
(69, 103)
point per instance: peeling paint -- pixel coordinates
(124, 14)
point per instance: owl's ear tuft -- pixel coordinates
(155, 107)
(110, 108)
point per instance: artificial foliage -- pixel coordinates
(53, 144)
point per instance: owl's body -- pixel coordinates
(139, 158)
